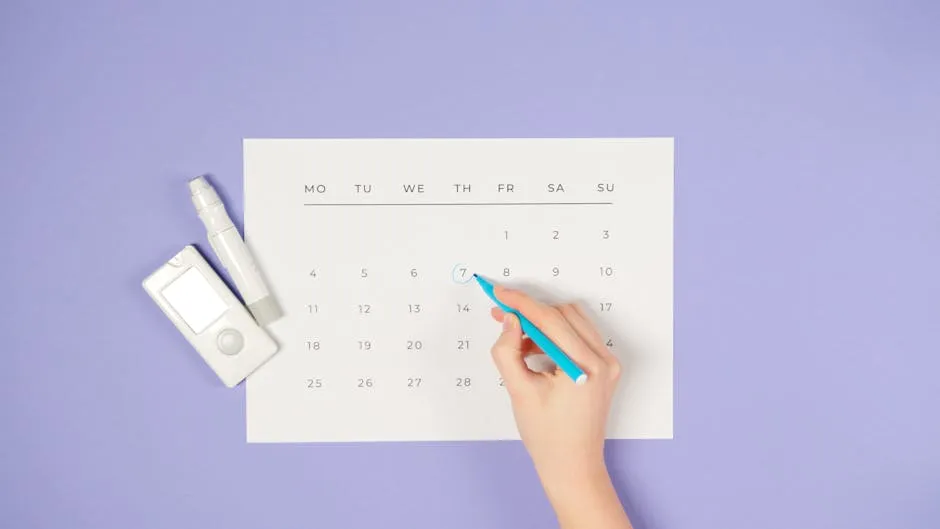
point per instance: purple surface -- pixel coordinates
(807, 250)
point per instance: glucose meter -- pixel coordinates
(209, 316)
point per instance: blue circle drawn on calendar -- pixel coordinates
(461, 274)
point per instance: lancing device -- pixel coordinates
(231, 249)
(538, 337)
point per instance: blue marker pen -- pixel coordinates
(553, 351)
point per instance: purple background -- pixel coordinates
(807, 249)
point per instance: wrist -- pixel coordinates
(587, 499)
(582, 477)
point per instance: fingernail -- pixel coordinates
(509, 322)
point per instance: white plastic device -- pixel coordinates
(232, 251)
(208, 314)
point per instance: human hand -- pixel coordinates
(562, 425)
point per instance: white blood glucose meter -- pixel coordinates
(209, 315)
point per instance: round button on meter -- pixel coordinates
(230, 341)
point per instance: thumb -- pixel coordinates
(509, 356)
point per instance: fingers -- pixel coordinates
(555, 326)
(509, 356)
(528, 346)
(588, 332)
(584, 328)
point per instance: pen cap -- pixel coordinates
(203, 194)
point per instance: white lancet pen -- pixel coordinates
(231, 249)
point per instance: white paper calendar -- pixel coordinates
(369, 245)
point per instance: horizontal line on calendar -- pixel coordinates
(367, 204)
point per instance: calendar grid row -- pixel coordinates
(360, 343)
(378, 311)
(458, 272)
(414, 382)
(531, 231)
(471, 371)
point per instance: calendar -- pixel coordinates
(370, 246)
